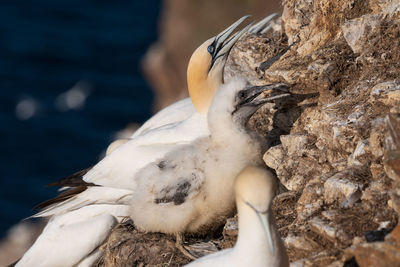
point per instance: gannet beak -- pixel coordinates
(263, 217)
(219, 48)
(258, 95)
(260, 26)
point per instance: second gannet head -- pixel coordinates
(206, 65)
(255, 188)
(235, 102)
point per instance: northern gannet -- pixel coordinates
(94, 200)
(259, 242)
(200, 65)
(204, 77)
(209, 84)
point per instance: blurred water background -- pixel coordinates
(69, 79)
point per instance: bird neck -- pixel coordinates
(224, 129)
(202, 89)
(252, 239)
(203, 82)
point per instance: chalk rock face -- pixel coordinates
(342, 60)
(335, 144)
(356, 31)
(385, 251)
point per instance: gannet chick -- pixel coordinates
(190, 189)
(259, 242)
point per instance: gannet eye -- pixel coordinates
(210, 49)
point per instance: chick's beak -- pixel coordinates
(258, 95)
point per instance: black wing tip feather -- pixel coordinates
(62, 196)
(75, 182)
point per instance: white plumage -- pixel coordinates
(70, 237)
(177, 112)
(167, 178)
(192, 190)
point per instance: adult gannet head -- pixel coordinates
(206, 65)
(255, 187)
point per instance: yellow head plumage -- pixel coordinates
(206, 65)
(203, 82)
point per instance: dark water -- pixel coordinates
(47, 129)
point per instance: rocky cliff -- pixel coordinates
(334, 146)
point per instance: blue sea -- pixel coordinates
(69, 79)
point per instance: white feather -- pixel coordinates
(179, 111)
(92, 195)
(70, 237)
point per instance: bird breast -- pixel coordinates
(190, 189)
